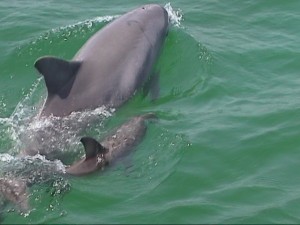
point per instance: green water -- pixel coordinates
(225, 149)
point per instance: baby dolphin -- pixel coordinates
(116, 145)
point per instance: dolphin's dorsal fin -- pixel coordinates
(58, 74)
(92, 147)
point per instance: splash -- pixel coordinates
(56, 37)
(98, 112)
(29, 171)
(89, 23)
(81, 28)
(30, 167)
(58, 138)
(175, 16)
(6, 158)
(2, 105)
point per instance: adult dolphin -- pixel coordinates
(110, 66)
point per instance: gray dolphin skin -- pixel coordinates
(114, 146)
(110, 66)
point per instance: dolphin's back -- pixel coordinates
(114, 62)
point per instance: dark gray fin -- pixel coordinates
(94, 158)
(92, 147)
(152, 87)
(59, 74)
(15, 191)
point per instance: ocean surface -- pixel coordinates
(226, 147)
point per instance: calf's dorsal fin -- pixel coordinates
(58, 74)
(92, 147)
(94, 158)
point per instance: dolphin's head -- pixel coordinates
(153, 19)
(157, 12)
(154, 10)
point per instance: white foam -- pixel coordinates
(175, 16)
(100, 111)
(30, 160)
(86, 23)
(60, 167)
(6, 157)
(39, 124)
(5, 121)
